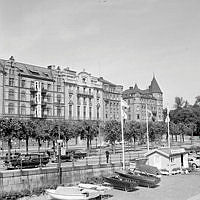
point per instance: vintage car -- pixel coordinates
(26, 161)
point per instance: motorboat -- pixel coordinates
(72, 193)
(140, 178)
(121, 183)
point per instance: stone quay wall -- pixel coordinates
(30, 179)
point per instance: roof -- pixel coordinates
(101, 79)
(32, 70)
(168, 152)
(153, 88)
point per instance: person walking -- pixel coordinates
(107, 156)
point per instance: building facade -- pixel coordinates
(29, 91)
(138, 100)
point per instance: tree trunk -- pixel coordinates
(183, 138)
(39, 145)
(9, 149)
(27, 144)
(88, 143)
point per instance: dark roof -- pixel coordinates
(101, 79)
(154, 87)
(31, 70)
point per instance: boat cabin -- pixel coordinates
(168, 159)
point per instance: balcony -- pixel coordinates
(33, 90)
(33, 103)
(44, 91)
(84, 94)
(70, 91)
(44, 104)
(44, 116)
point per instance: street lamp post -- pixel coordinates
(59, 158)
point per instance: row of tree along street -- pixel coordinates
(184, 120)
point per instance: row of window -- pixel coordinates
(11, 110)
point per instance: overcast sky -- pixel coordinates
(125, 41)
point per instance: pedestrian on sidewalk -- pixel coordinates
(107, 156)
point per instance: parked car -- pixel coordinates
(27, 161)
(194, 161)
(77, 154)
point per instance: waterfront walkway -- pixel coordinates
(175, 187)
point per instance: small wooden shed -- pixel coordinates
(168, 158)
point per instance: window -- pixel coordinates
(78, 112)
(70, 111)
(11, 81)
(48, 98)
(23, 96)
(138, 116)
(23, 109)
(84, 112)
(49, 87)
(11, 109)
(59, 98)
(23, 83)
(11, 94)
(90, 113)
(58, 111)
(32, 84)
(59, 88)
(11, 71)
(48, 111)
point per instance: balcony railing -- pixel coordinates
(44, 91)
(84, 93)
(33, 103)
(33, 90)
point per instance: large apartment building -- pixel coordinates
(29, 91)
(138, 100)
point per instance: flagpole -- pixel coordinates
(147, 129)
(122, 127)
(168, 128)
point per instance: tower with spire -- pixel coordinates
(138, 99)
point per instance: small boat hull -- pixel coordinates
(121, 183)
(140, 179)
(72, 193)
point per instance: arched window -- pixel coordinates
(11, 94)
(11, 109)
(23, 109)
(23, 96)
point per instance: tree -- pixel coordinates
(179, 102)
(27, 130)
(112, 131)
(132, 131)
(87, 130)
(9, 128)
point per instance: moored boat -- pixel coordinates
(72, 193)
(140, 179)
(121, 183)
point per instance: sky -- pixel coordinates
(124, 41)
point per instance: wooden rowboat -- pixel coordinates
(121, 183)
(140, 179)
